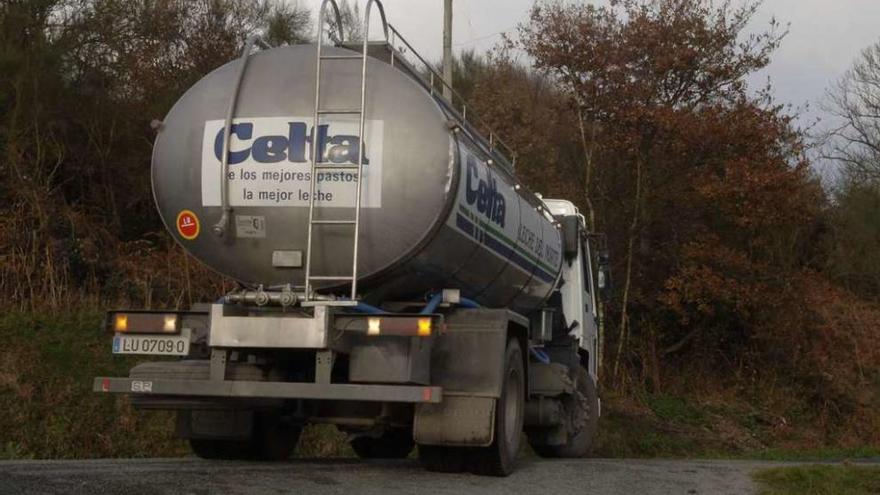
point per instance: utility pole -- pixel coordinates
(447, 48)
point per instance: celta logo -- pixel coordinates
(295, 147)
(484, 193)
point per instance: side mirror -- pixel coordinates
(570, 236)
(603, 275)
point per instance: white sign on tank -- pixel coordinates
(270, 162)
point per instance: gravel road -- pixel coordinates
(544, 477)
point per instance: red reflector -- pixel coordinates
(426, 394)
(105, 385)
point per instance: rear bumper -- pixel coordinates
(268, 390)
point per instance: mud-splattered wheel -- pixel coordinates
(393, 444)
(499, 458)
(581, 413)
(273, 438)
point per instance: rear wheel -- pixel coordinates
(499, 458)
(581, 412)
(442, 459)
(392, 444)
(273, 438)
(219, 449)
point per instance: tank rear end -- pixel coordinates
(406, 173)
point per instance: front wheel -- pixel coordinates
(581, 412)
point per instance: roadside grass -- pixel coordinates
(676, 409)
(658, 425)
(624, 434)
(47, 407)
(819, 480)
(826, 454)
(325, 441)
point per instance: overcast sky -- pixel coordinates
(825, 36)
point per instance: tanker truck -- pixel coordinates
(394, 277)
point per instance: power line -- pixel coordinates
(481, 38)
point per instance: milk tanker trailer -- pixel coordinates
(395, 278)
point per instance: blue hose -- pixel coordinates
(435, 301)
(468, 303)
(368, 309)
(540, 355)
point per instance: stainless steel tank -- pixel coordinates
(437, 210)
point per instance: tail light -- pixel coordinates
(408, 326)
(143, 322)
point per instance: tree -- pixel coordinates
(288, 24)
(637, 73)
(81, 82)
(853, 230)
(853, 235)
(855, 102)
(352, 27)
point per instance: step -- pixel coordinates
(342, 57)
(333, 222)
(339, 111)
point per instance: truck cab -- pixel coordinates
(585, 272)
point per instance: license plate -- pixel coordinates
(161, 345)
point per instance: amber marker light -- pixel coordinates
(120, 323)
(424, 327)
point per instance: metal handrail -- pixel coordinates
(221, 225)
(339, 26)
(361, 136)
(496, 144)
(312, 182)
(385, 24)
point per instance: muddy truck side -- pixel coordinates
(395, 278)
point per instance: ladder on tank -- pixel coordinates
(318, 164)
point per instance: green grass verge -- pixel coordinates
(828, 454)
(47, 407)
(627, 435)
(819, 480)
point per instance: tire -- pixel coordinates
(499, 459)
(272, 439)
(581, 410)
(393, 444)
(229, 450)
(442, 459)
